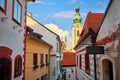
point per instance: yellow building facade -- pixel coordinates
(37, 57)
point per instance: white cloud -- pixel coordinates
(64, 14)
(73, 1)
(99, 11)
(50, 3)
(38, 2)
(57, 30)
(101, 3)
(76, 2)
(83, 14)
(69, 42)
(81, 2)
(43, 2)
(62, 33)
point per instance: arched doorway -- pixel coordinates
(107, 69)
(5, 67)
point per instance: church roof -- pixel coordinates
(69, 59)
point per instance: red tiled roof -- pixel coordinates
(69, 59)
(92, 22)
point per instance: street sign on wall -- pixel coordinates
(95, 49)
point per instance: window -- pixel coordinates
(37, 79)
(3, 5)
(46, 59)
(74, 41)
(80, 62)
(77, 60)
(17, 11)
(44, 77)
(69, 76)
(18, 66)
(74, 33)
(42, 60)
(78, 33)
(57, 47)
(87, 64)
(35, 59)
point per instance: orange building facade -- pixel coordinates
(37, 57)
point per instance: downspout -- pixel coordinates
(49, 65)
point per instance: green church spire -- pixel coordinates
(77, 18)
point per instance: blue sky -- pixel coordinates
(61, 12)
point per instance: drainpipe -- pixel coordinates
(93, 41)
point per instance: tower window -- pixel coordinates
(78, 33)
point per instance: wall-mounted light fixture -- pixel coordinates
(14, 27)
(2, 19)
(20, 31)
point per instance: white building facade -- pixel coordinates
(108, 35)
(12, 38)
(54, 40)
(85, 62)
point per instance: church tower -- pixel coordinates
(77, 27)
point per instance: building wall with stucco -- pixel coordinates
(34, 46)
(110, 27)
(51, 38)
(12, 36)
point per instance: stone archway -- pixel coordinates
(107, 69)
